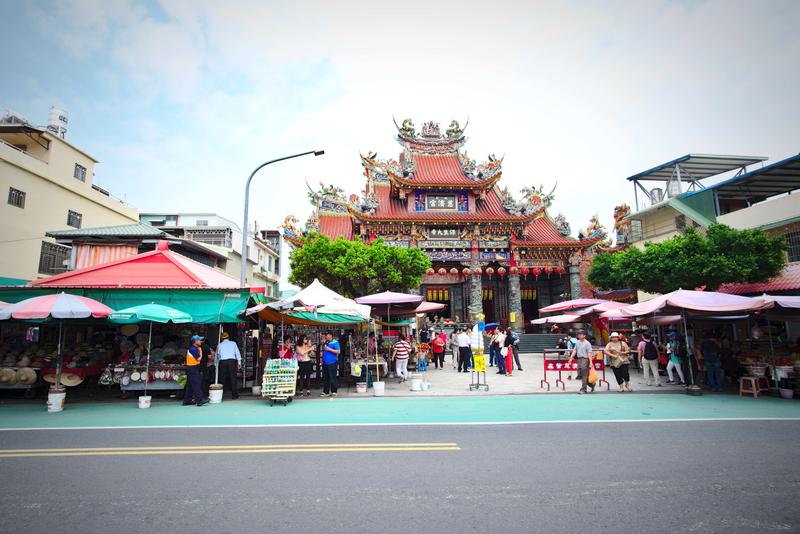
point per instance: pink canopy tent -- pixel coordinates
(559, 319)
(426, 307)
(707, 302)
(571, 305)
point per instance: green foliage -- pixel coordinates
(354, 268)
(692, 260)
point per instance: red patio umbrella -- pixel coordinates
(57, 306)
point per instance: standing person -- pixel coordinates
(515, 348)
(372, 346)
(330, 366)
(498, 340)
(710, 352)
(439, 342)
(648, 359)
(492, 357)
(401, 353)
(570, 347)
(674, 354)
(302, 353)
(619, 354)
(454, 346)
(193, 394)
(464, 352)
(230, 361)
(582, 351)
(285, 349)
(508, 344)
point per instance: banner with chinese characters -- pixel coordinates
(488, 294)
(437, 294)
(528, 294)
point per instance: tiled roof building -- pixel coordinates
(491, 253)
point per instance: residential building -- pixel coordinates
(223, 236)
(49, 185)
(766, 197)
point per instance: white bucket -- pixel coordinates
(416, 384)
(377, 388)
(55, 399)
(215, 394)
(361, 387)
(144, 401)
(256, 390)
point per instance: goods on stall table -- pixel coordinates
(280, 380)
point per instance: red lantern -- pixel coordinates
(442, 271)
(489, 272)
(465, 271)
(501, 271)
(537, 271)
(548, 271)
(477, 271)
(525, 271)
(514, 270)
(431, 271)
(561, 270)
(454, 272)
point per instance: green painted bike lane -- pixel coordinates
(403, 410)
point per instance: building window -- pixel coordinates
(16, 197)
(74, 219)
(793, 245)
(680, 222)
(80, 172)
(269, 263)
(269, 291)
(636, 230)
(202, 222)
(53, 258)
(220, 238)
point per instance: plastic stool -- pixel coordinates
(753, 385)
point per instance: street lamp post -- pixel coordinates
(243, 275)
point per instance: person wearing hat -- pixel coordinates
(583, 352)
(619, 354)
(230, 361)
(193, 394)
(674, 355)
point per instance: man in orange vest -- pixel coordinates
(193, 394)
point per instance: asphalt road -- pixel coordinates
(601, 477)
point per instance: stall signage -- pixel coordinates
(480, 363)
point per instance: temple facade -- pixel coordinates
(491, 253)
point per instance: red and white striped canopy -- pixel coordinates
(57, 306)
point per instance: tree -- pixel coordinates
(355, 268)
(692, 260)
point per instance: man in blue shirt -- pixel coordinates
(229, 360)
(330, 365)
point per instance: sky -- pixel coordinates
(180, 100)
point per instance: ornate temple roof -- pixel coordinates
(433, 168)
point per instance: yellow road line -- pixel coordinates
(212, 447)
(226, 451)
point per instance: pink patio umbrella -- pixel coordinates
(57, 306)
(388, 298)
(558, 319)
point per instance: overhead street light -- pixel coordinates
(243, 276)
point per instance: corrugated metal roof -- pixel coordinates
(122, 230)
(699, 166)
(788, 280)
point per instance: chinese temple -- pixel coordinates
(491, 253)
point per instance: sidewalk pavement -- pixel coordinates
(448, 382)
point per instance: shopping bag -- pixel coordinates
(504, 352)
(592, 378)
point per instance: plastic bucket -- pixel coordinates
(144, 401)
(377, 388)
(256, 390)
(361, 387)
(416, 384)
(787, 393)
(55, 399)
(215, 394)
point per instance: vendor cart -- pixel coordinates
(280, 381)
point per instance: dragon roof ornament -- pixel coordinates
(534, 201)
(328, 198)
(430, 134)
